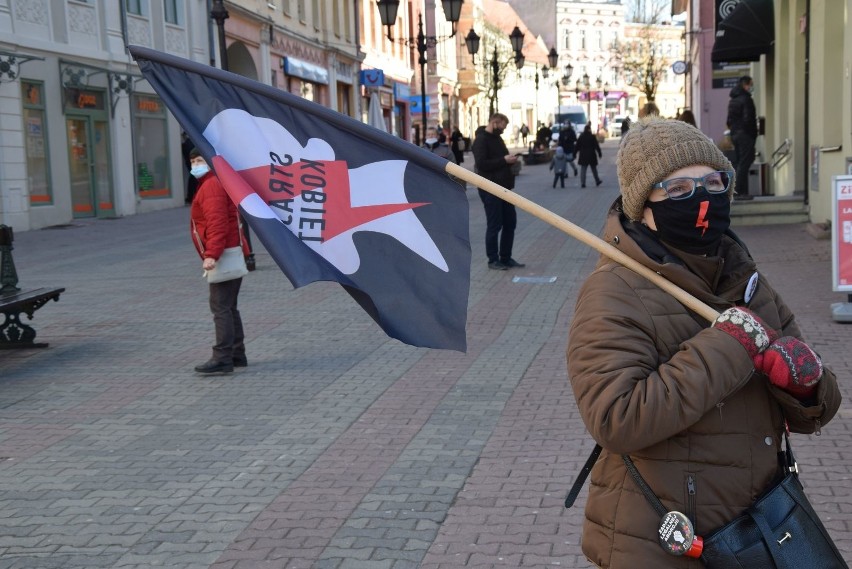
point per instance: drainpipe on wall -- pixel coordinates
(356, 90)
(122, 7)
(211, 49)
(807, 145)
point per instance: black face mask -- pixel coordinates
(497, 130)
(694, 225)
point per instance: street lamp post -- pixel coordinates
(495, 78)
(219, 13)
(587, 85)
(566, 80)
(452, 12)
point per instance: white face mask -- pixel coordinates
(431, 141)
(200, 170)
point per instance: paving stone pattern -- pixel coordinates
(337, 448)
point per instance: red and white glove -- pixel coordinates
(747, 328)
(792, 365)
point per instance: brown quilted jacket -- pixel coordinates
(652, 380)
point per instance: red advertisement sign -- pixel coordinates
(842, 234)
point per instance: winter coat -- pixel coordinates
(442, 150)
(742, 116)
(567, 141)
(489, 157)
(559, 163)
(588, 150)
(214, 221)
(653, 380)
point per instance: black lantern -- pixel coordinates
(387, 13)
(545, 71)
(552, 58)
(517, 39)
(471, 40)
(519, 60)
(452, 11)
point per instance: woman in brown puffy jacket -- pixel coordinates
(699, 407)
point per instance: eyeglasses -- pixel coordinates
(683, 188)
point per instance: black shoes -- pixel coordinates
(240, 362)
(505, 265)
(212, 366)
(250, 263)
(599, 182)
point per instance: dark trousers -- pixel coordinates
(743, 159)
(501, 219)
(560, 177)
(594, 168)
(226, 318)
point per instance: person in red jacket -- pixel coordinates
(215, 227)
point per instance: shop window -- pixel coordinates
(150, 147)
(35, 136)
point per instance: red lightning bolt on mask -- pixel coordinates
(702, 214)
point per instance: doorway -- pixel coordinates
(89, 165)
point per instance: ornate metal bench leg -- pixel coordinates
(16, 334)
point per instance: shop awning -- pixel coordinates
(746, 33)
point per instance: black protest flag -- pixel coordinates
(330, 198)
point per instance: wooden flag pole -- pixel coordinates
(581, 234)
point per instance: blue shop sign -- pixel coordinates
(372, 77)
(401, 91)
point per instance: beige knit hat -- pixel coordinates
(652, 149)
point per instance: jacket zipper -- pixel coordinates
(690, 489)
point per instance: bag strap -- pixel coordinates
(581, 477)
(646, 490)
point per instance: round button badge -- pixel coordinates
(677, 536)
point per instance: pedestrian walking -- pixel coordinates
(186, 146)
(457, 145)
(742, 122)
(588, 151)
(436, 146)
(493, 162)
(215, 226)
(559, 165)
(699, 410)
(525, 132)
(568, 141)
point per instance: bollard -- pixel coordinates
(8, 274)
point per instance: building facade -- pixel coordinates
(803, 93)
(83, 135)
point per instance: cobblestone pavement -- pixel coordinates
(337, 447)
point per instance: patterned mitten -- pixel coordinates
(792, 365)
(747, 328)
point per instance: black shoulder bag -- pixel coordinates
(780, 530)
